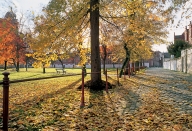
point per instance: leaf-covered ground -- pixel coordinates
(54, 105)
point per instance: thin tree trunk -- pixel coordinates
(5, 67)
(26, 63)
(14, 63)
(17, 58)
(61, 62)
(43, 68)
(124, 64)
(113, 65)
(126, 59)
(95, 52)
(17, 66)
(104, 66)
(143, 63)
(104, 48)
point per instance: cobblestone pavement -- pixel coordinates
(155, 100)
(175, 87)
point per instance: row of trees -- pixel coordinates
(12, 43)
(133, 25)
(128, 27)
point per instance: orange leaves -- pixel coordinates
(7, 37)
(10, 41)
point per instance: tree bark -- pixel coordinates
(14, 63)
(61, 62)
(126, 60)
(5, 67)
(17, 66)
(95, 52)
(17, 58)
(43, 68)
(104, 47)
(26, 63)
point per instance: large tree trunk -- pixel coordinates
(95, 52)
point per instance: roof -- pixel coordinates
(179, 37)
(167, 55)
(10, 14)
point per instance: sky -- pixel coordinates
(31, 5)
(35, 6)
(22, 6)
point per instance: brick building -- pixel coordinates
(186, 35)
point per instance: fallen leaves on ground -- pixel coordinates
(54, 105)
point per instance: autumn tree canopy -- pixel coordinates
(137, 23)
(11, 42)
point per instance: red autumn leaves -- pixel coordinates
(11, 42)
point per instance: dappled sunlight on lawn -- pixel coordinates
(54, 104)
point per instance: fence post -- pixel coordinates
(106, 81)
(5, 100)
(82, 94)
(117, 76)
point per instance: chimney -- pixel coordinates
(190, 32)
(186, 34)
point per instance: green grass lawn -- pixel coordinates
(36, 73)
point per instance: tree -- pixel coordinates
(82, 54)
(41, 54)
(138, 23)
(42, 60)
(104, 55)
(6, 41)
(175, 48)
(127, 59)
(11, 43)
(95, 50)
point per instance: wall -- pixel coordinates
(182, 64)
(89, 66)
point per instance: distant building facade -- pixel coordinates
(186, 35)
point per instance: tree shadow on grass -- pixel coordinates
(60, 91)
(99, 114)
(130, 102)
(29, 106)
(113, 81)
(111, 107)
